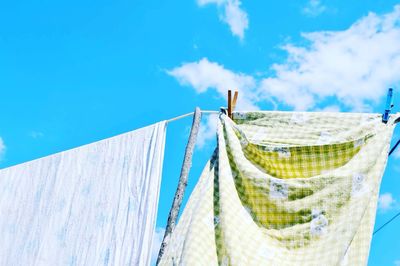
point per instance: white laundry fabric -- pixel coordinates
(92, 205)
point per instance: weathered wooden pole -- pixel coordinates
(183, 179)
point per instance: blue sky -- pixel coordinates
(73, 72)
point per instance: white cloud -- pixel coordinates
(36, 134)
(203, 75)
(231, 14)
(157, 240)
(208, 130)
(2, 148)
(205, 2)
(397, 263)
(351, 69)
(329, 108)
(314, 8)
(354, 66)
(386, 202)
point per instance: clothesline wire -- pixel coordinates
(388, 222)
(397, 214)
(394, 147)
(191, 113)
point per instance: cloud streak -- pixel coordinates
(314, 8)
(36, 134)
(386, 202)
(232, 14)
(2, 148)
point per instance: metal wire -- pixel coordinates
(189, 114)
(397, 214)
(385, 224)
(394, 147)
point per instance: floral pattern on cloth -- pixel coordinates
(319, 223)
(278, 189)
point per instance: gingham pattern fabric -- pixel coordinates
(286, 188)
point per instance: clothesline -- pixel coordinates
(388, 222)
(191, 113)
(217, 112)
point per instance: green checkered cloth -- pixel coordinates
(286, 188)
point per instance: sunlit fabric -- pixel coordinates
(286, 188)
(93, 205)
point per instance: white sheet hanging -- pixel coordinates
(93, 205)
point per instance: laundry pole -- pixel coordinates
(183, 179)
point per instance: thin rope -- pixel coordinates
(385, 224)
(394, 147)
(189, 114)
(397, 214)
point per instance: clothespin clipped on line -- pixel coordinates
(232, 103)
(388, 107)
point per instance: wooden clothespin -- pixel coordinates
(232, 103)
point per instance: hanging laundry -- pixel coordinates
(93, 205)
(286, 188)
